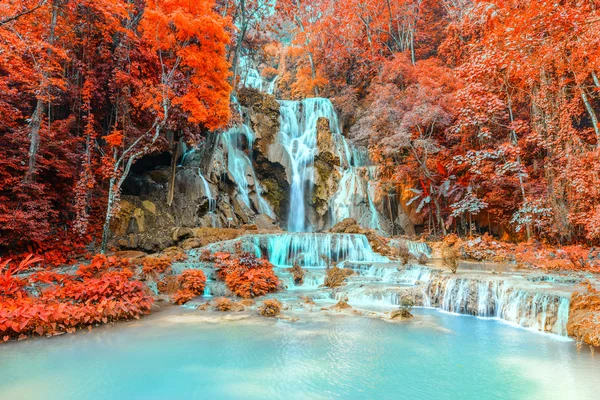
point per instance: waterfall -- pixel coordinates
(544, 312)
(315, 249)
(252, 78)
(212, 202)
(239, 165)
(298, 135)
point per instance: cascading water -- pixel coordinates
(212, 202)
(298, 135)
(252, 78)
(415, 248)
(315, 249)
(499, 299)
(240, 167)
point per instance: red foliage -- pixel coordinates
(191, 283)
(246, 275)
(98, 293)
(153, 267)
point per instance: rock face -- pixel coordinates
(327, 175)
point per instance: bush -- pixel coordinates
(297, 274)
(450, 258)
(191, 284)
(403, 253)
(246, 275)
(183, 296)
(270, 308)
(193, 280)
(336, 277)
(99, 292)
(153, 267)
(222, 304)
(585, 316)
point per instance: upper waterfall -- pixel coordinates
(298, 135)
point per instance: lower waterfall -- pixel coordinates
(544, 312)
(315, 249)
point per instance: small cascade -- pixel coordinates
(239, 165)
(539, 311)
(413, 274)
(315, 249)
(313, 279)
(212, 202)
(366, 296)
(251, 77)
(415, 248)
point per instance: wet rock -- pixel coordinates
(401, 314)
(341, 305)
(270, 308)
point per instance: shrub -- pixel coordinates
(222, 304)
(270, 308)
(450, 258)
(585, 318)
(102, 292)
(403, 253)
(183, 296)
(153, 267)
(194, 280)
(191, 284)
(101, 263)
(246, 275)
(423, 259)
(297, 274)
(336, 277)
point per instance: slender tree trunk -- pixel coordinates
(592, 114)
(40, 108)
(174, 156)
(515, 142)
(108, 217)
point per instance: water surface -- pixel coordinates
(186, 354)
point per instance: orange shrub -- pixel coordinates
(192, 283)
(194, 280)
(153, 267)
(246, 275)
(98, 293)
(183, 296)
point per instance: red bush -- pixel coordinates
(246, 275)
(100, 292)
(192, 283)
(152, 267)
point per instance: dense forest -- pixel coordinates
(487, 110)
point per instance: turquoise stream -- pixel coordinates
(187, 354)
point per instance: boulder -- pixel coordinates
(263, 221)
(181, 234)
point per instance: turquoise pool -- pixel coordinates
(187, 354)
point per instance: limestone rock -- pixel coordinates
(263, 221)
(182, 233)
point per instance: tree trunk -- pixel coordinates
(108, 217)
(40, 109)
(34, 138)
(592, 114)
(174, 156)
